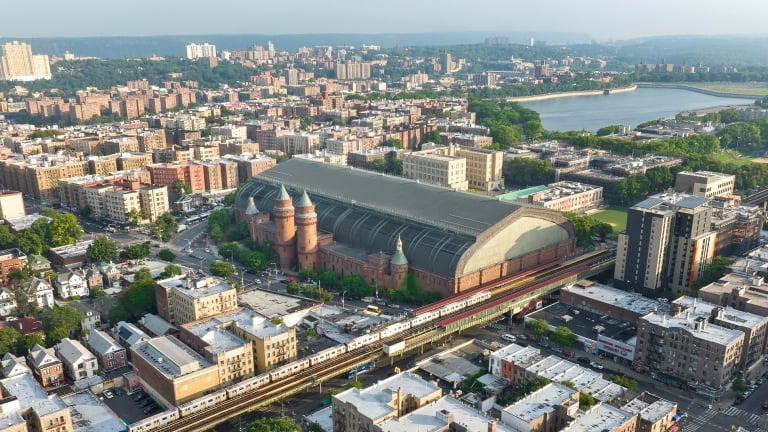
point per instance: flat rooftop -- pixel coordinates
(196, 288)
(170, 357)
(31, 395)
(601, 417)
(254, 323)
(374, 400)
(219, 339)
(710, 332)
(540, 402)
(585, 323)
(434, 417)
(89, 414)
(651, 411)
(272, 304)
(729, 315)
(615, 297)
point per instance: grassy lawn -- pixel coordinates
(614, 216)
(756, 89)
(733, 157)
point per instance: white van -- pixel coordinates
(508, 337)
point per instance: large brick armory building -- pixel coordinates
(323, 216)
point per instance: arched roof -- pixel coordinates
(368, 211)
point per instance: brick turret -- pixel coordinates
(306, 233)
(285, 230)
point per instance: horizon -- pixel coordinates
(597, 19)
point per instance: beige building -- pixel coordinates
(151, 140)
(705, 184)
(436, 169)
(172, 372)
(604, 418)
(484, 168)
(547, 409)
(26, 407)
(39, 176)
(205, 153)
(273, 344)
(300, 143)
(17, 63)
(118, 202)
(11, 205)
(213, 339)
(120, 145)
(229, 131)
(183, 299)
(566, 196)
(133, 161)
(360, 410)
(102, 165)
(73, 190)
(654, 413)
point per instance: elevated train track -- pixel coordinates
(505, 294)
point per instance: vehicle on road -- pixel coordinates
(584, 360)
(596, 365)
(508, 337)
(557, 350)
(545, 344)
(765, 404)
(567, 353)
(108, 394)
(181, 228)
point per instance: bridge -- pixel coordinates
(510, 299)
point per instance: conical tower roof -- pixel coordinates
(399, 257)
(283, 194)
(251, 209)
(304, 201)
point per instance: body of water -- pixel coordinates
(630, 108)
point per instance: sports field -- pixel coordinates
(616, 217)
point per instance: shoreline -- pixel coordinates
(701, 90)
(569, 94)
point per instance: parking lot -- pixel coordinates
(126, 407)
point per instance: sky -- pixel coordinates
(602, 20)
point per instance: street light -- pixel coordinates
(342, 300)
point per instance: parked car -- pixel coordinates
(557, 350)
(596, 365)
(584, 360)
(508, 337)
(118, 392)
(108, 394)
(568, 353)
(139, 397)
(765, 404)
(544, 344)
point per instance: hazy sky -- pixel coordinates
(601, 19)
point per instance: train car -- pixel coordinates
(288, 370)
(362, 341)
(153, 422)
(425, 317)
(327, 354)
(202, 403)
(479, 297)
(394, 329)
(248, 385)
(365, 367)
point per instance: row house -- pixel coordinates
(78, 362)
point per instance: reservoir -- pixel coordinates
(630, 108)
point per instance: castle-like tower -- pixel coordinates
(285, 229)
(398, 266)
(306, 233)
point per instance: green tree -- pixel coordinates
(138, 299)
(30, 242)
(164, 226)
(216, 234)
(355, 286)
(563, 336)
(353, 383)
(134, 217)
(379, 165)
(713, 271)
(315, 427)
(293, 287)
(222, 269)
(432, 136)
(26, 342)
(170, 270)
(586, 401)
(279, 424)
(166, 255)
(8, 339)
(64, 229)
(392, 142)
(625, 381)
(61, 322)
(739, 385)
(181, 188)
(101, 250)
(7, 238)
(136, 251)
(538, 327)
(528, 172)
(26, 303)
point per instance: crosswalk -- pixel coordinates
(750, 418)
(693, 423)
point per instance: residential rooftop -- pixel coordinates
(708, 332)
(89, 414)
(170, 357)
(196, 288)
(434, 417)
(700, 308)
(31, 395)
(650, 411)
(374, 401)
(601, 417)
(540, 402)
(615, 297)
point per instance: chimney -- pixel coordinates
(491, 425)
(399, 400)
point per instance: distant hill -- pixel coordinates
(168, 46)
(710, 50)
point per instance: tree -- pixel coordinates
(181, 188)
(528, 172)
(293, 287)
(164, 226)
(136, 251)
(8, 339)
(563, 336)
(166, 255)
(138, 299)
(222, 269)
(432, 136)
(353, 383)
(170, 270)
(134, 217)
(739, 385)
(61, 322)
(7, 238)
(26, 303)
(713, 271)
(30, 242)
(26, 342)
(216, 234)
(379, 165)
(586, 401)
(538, 327)
(279, 424)
(64, 229)
(355, 286)
(625, 381)
(392, 142)
(101, 250)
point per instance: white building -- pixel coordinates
(71, 284)
(78, 362)
(196, 51)
(7, 302)
(42, 292)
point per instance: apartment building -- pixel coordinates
(359, 410)
(551, 407)
(436, 169)
(300, 143)
(666, 246)
(566, 196)
(172, 372)
(10, 260)
(151, 140)
(737, 226)
(484, 168)
(45, 366)
(250, 165)
(28, 407)
(133, 161)
(102, 165)
(183, 299)
(705, 184)
(73, 191)
(38, 176)
(109, 354)
(196, 51)
(127, 202)
(229, 131)
(189, 173)
(172, 155)
(124, 144)
(213, 339)
(11, 205)
(238, 147)
(605, 418)
(689, 349)
(273, 344)
(269, 135)
(17, 63)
